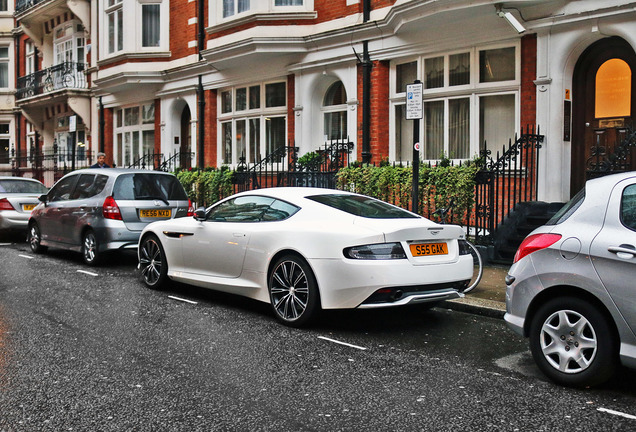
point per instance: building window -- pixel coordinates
(4, 66)
(134, 133)
(334, 109)
(4, 5)
(29, 55)
(470, 97)
(5, 140)
(234, 7)
(115, 25)
(69, 43)
(288, 2)
(250, 131)
(150, 25)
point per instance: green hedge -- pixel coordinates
(437, 186)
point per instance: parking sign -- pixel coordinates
(414, 101)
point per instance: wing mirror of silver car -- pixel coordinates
(199, 214)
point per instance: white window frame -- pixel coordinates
(113, 7)
(265, 8)
(164, 25)
(474, 91)
(262, 113)
(7, 60)
(8, 138)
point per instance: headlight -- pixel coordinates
(382, 251)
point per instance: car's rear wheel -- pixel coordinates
(152, 262)
(293, 291)
(90, 245)
(573, 343)
(35, 239)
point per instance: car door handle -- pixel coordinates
(239, 235)
(625, 251)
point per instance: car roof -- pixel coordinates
(114, 172)
(293, 193)
(20, 178)
(609, 180)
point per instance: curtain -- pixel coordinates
(288, 3)
(459, 128)
(434, 130)
(151, 25)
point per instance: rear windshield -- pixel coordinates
(568, 209)
(363, 206)
(142, 186)
(22, 186)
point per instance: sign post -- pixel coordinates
(414, 112)
(72, 127)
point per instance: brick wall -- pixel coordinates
(157, 125)
(291, 103)
(180, 31)
(528, 76)
(210, 143)
(379, 118)
(108, 135)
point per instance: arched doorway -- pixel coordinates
(185, 149)
(604, 96)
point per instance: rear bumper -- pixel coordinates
(13, 220)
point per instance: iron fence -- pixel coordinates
(47, 166)
(66, 75)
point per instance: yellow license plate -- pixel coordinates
(28, 207)
(155, 213)
(426, 249)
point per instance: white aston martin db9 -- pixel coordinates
(306, 249)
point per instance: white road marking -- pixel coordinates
(341, 343)
(88, 273)
(25, 256)
(5, 244)
(617, 413)
(183, 300)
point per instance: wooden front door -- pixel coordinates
(603, 100)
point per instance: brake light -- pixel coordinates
(110, 209)
(190, 209)
(534, 243)
(5, 204)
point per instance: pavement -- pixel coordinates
(488, 298)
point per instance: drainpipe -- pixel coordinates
(366, 90)
(102, 125)
(200, 91)
(18, 116)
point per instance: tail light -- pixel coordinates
(534, 243)
(111, 210)
(190, 209)
(5, 204)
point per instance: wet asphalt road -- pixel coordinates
(97, 351)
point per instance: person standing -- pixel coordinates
(101, 161)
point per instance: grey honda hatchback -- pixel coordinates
(97, 210)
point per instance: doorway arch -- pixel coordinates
(604, 97)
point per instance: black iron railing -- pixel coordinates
(504, 181)
(22, 5)
(67, 75)
(161, 162)
(50, 165)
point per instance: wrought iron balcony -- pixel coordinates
(22, 5)
(67, 75)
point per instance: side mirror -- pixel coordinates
(199, 214)
(43, 198)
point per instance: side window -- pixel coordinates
(279, 210)
(628, 207)
(62, 190)
(241, 209)
(89, 185)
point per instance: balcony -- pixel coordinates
(22, 5)
(63, 76)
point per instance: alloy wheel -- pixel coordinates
(290, 290)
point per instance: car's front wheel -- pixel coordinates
(152, 262)
(35, 239)
(573, 343)
(293, 291)
(90, 252)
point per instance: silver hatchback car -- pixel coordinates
(18, 197)
(571, 288)
(97, 210)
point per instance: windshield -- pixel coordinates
(363, 206)
(142, 186)
(22, 186)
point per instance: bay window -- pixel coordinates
(134, 133)
(469, 97)
(115, 25)
(253, 122)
